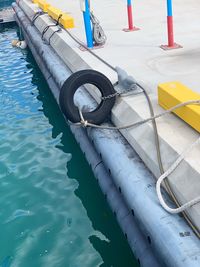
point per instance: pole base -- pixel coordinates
(174, 46)
(82, 48)
(131, 30)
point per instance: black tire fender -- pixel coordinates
(72, 84)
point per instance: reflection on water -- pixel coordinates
(5, 3)
(52, 211)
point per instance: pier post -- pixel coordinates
(87, 23)
(170, 30)
(131, 26)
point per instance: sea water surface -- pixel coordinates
(52, 212)
(5, 3)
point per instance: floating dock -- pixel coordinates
(169, 240)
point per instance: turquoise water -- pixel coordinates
(5, 3)
(52, 210)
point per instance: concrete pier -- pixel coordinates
(139, 53)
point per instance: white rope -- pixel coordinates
(182, 208)
(167, 173)
(139, 122)
(83, 121)
(153, 121)
(98, 33)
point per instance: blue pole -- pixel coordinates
(169, 7)
(88, 28)
(129, 2)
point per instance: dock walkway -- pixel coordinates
(139, 53)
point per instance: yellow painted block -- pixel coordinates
(171, 94)
(66, 20)
(43, 5)
(35, 1)
(54, 12)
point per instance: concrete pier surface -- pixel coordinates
(139, 53)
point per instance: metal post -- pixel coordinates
(87, 23)
(130, 15)
(131, 26)
(170, 30)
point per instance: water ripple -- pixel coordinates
(19, 213)
(38, 213)
(43, 221)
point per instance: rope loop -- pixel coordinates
(98, 33)
(82, 121)
(36, 16)
(170, 171)
(51, 25)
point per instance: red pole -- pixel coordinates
(170, 30)
(131, 26)
(130, 17)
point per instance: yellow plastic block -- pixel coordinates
(65, 20)
(35, 1)
(43, 5)
(54, 12)
(173, 93)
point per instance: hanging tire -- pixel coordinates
(72, 84)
